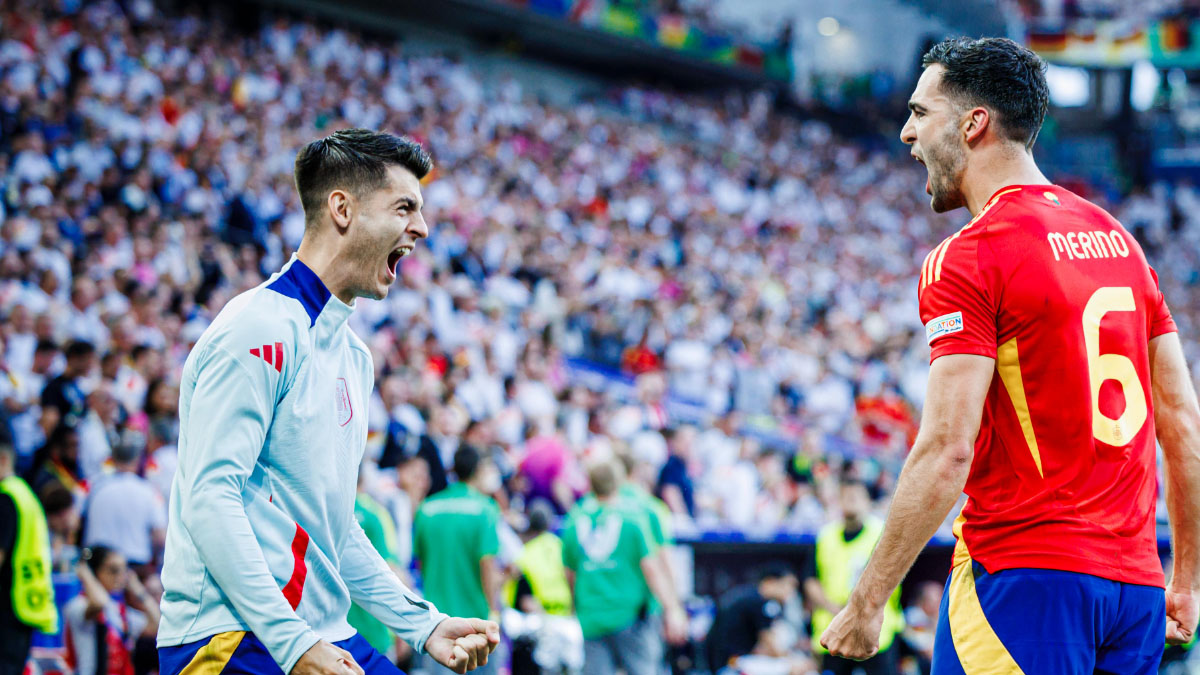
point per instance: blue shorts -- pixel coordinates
(1047, 621)
(241, 653)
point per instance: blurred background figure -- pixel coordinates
(124, 510)
(842, 552)
(110, 626)
(26, 593)
(747, 635)
(920, 623)
(541, 586)
(456, 541)
(616, 571)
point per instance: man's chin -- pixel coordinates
(941, 203)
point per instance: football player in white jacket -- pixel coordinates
(264, 555)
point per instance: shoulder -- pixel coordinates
(827, 531)
(255, 316)
(257, 327)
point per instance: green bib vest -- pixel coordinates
(839, 564)
(541, 562)
(32, 590)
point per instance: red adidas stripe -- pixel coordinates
(295, 586)
(271, 354)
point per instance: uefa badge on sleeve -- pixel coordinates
(943, 325)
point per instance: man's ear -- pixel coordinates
(974, 124)
(341, 209)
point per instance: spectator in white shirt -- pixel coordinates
(124, 511)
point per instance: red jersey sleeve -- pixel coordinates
(1160, 316)
(958, 310)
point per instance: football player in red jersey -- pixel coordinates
(1055, 366)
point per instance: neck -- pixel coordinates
(323, 260)
(1004, 167)
(5, 471)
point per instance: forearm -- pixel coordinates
(1177, 421)
(816, 596)
(93, 591)
(376, 589)
(659, 582)
(930, 484)
(1181, 452)
(489, 575)
(674, 499)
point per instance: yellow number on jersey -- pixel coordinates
(1116, 367)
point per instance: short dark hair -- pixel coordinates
(96, 556)
(55, 498)
(540, 515)
(355, 160)
(997, 73)
(466, 462)
(79, 348)
(776, 570)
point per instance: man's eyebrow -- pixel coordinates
(405, 201)
(913, 106)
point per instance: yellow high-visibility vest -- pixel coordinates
(839, 564)
(541, 563)
(32, 589)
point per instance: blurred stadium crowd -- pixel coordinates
(721, 295)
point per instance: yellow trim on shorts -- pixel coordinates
(214, 656)
(980, 651)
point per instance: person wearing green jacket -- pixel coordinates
(456, 539)
(26, 592)
(615, 571)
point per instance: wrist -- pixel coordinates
(862, 605)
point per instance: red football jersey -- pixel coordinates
(1053, 288)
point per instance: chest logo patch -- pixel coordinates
(345, 411)
(599, 540)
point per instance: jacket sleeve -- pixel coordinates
(232, 404)
(376, 588)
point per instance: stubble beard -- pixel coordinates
(946, 183)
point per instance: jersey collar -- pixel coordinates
(298, 281)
